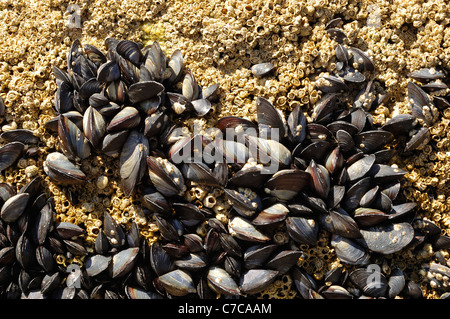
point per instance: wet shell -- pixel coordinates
(303, 230)
(177, 283)
(255, 280)
(123, 261)
(243, 229)
(388, 238)
(133, 160)
(221, 282)
(10, 153)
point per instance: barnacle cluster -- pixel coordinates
(221, 41)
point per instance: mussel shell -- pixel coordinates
(256, 255)
(285, 184)
(177, 283)
(159, 260)
(112, 143)
(156, 202)
(273, 214)
(360, 168)
(256, 280)
(243, 229)
(72, 140)
(303, 230)
(221, 282)
(396, 283)
(388, 238)
(426, 74)
(113, 231)
(130, 50)
(94, 127)
(10, 153)
(297, 126)
(66, 230)
(284, 260)
(268, 115)
(320, 179)
(123, 261)
(133, 160)
(14, 207)
(20, 135)
(400, 124)
(262, 69)
(142, 91)
(373, 140)
(371, 283)
(165, 176)
(126, 119)
(343, 224)
(349, 252)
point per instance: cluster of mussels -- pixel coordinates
(332, 178)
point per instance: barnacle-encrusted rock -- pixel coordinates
(221, 41)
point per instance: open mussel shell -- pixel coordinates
(61, 170)
(388, 238)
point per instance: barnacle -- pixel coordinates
(221, 41)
